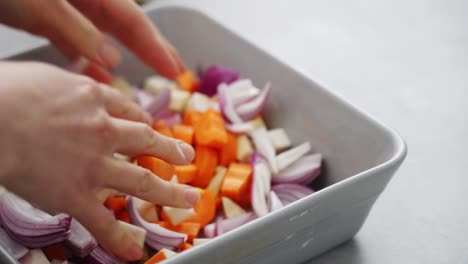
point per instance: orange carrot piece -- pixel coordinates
(205, 209)
(116, 204)
(56, 251)
(161, 127)
(210, 131)
(228, 153)
(187, 81)
(186, 246)
(237, 182)
(184, 133)
(123, 216)
(157, 166)
(190, 228)
(192, 117)
(156, 258)
(206, 160)
(186, 173)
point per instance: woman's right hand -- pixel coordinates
(58, 134)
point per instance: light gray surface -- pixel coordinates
(406, 63)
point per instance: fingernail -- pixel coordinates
(186, 150)
(192, 196)
(135, 252)
(109, 54)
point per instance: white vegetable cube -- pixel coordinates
(215, 183)
(279, 139)
(155, 83)
(231, 209)
(199, 102)
(168, 253)
(244, 148)
(199, 241)
(146, 210)
(178, 215)
(179, 100)
(136, 232)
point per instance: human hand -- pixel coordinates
(76, 28)
(58, 135)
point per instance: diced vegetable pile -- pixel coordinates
(243, 170)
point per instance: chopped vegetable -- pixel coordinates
(30, 226)
(154, 84)
(302, 171)
(244, 148)
(124, 87)
(215, 75)
(199, 241)
(157, 105)
(242, 91)
(157, 166)
(260, 185)
(184, 133)
(217, 180)
(251, 109)
(116, 204)
(179, 100)
(177, 215)
(101, 256)
(279, 139)
(162, 127)
(146, 210)
(236, 183)
(228, 153)
(162, 255)
(190, 228)
(274, 202)
(157, 237)
(205, 209)
(192, 117)
(286, 158)
(231, 209)
(198, 102)
(186, 173)
(171, 119)
(80, 240)
(290, 192)
(206, 160)
(186, 246)
(187, 81)
(265, 147)
(210, 131)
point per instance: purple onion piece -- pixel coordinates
(260, 185)
(226, 105)
(214, 76)
(290, 192)
(209, 230)
(274, 203)
(288, 157)
(80, 240)
(265, 147)
(159, 105)
(157, 237)
(172, 119)
(239, 128)
(249, 110)
(303, 171)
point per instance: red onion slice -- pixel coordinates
(101, 256)
(249, 110)
(226, 105)
(14, 249)
(288, 157)
(80, 240)
(215, 75)
(30, 226)
(239, 128)
(157, 105)
(157, 237)
(242, 91)
(219, 230)
(274, 203)
(290, 192)
(232, 223)
(209, 230)
(302, 171)
(265, 147)
(261, 175)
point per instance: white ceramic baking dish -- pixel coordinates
(361, 154)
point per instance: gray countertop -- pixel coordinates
(405, 63)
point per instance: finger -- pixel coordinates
(137, 181)
(134, 30)
(175, 55)
(140, 139)
(107, 230)
(117, 105)
(78, 33)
